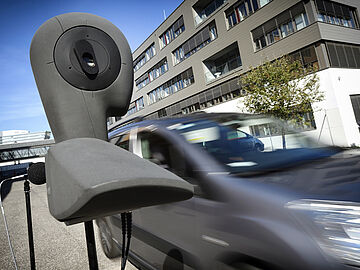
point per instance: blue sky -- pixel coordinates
(20, 104)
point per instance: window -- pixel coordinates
(273, 36)
(264, 2)
(195, 43)
(307, 56)
(222, 62)
(301, 21)
(336, 13)
(155, 72)
(242, 9)
(135, 106)
(286, 29)
(165, 154)
(172, 86)
(144, 57)
(355, 101)
(124, 141)
(203, 9)
(343, 55)
(172, 32)
(281, 26)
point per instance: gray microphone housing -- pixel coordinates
(104, 179)
(83, 69)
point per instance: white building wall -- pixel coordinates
(336, 111)
(11, 136)
(33, 160)
(334, 117)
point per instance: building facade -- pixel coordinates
(194, 59)
(22, 136)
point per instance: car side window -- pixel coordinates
(236, 134)
(164, 153)
(124, 141)
(169, 156)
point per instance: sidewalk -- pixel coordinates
(57, 246)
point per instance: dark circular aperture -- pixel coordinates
(104, 53)
(88, 59)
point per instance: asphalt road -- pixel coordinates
(57, 246)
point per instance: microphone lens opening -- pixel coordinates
(88, 59)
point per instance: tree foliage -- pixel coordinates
(283, 88)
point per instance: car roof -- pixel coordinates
(168, 121)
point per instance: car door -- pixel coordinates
(126, 141)
(167, 231)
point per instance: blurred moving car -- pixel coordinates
(257, 205)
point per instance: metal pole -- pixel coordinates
(29, 223)
(91, 247)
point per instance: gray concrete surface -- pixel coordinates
(57, 246)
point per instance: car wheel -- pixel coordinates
(108, 244)
(258, 147)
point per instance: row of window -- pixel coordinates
(281, 26)
(217, 65)
(343, 55)
(155, 72)
(177, 28)
(242, 9)
(135, 106)
(204, 9)
(336, 13)
(232, 89)
(198, 41)
(225, 92)
(144, 57)
(172, 32)
(195, 43)
(172, 86)
(217, 94)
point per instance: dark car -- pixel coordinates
(288, 203)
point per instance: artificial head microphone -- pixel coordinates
(36, 173)
(83, 69)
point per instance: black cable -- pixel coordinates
(126, 221)
(129, 225)
(29, 222)
(123, 225)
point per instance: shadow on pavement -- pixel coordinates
(6, 187)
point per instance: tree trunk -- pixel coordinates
(283, 137)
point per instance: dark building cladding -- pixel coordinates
(199, 52)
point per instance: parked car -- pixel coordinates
(257, 204)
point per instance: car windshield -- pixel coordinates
(248, 144)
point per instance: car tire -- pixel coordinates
(258, 147)
(109, 246)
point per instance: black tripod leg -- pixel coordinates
(91, 247)
(29, 223)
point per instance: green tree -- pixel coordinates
(283, 88)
